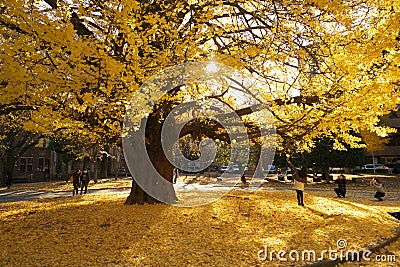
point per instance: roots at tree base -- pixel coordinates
(139, 196)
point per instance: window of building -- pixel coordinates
(22, 164)
(43, 164)
(25, 164)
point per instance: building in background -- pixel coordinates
(36, 164)
(40, 164)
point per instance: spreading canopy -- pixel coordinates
(330, 68)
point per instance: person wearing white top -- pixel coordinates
(300, 178)
(380, 190)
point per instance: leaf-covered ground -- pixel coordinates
(55, 186)
(95, 230)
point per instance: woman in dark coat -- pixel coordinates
(76, 177)
(9, 180)
(85, 178)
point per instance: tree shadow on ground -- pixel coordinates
(230, 232)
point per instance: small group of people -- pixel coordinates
(300, 179)
(80, 180)
(341, 189)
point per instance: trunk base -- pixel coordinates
(139, 196)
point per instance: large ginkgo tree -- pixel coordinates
(329, 68)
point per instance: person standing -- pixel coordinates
(9, 180)
(175, 175)
(341, 182)
(76, 177)
(300, 179)
(85, 178)
(380, 190)
(243, 179)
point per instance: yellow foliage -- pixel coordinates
(374, 142)
(342, 54)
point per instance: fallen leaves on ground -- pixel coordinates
(55, 186)
(94, 230)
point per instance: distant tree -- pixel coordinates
(66, 153)
(323, 156)
(14, 141)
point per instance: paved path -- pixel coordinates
(26, 195)
(12, 195)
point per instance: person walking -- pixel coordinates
(76, 177)
(300, 179)
(341, 182)
(380, 190)
(85, 178)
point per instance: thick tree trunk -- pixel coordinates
(146, 186)
(95, 170)
(326, 175)
(7, 166)
(18, 143)
(1, 173)
(117, 167)
(104, 166)
(164, 192)
(138, 196)
(145, 175)
(67, 171)
(86, 162)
